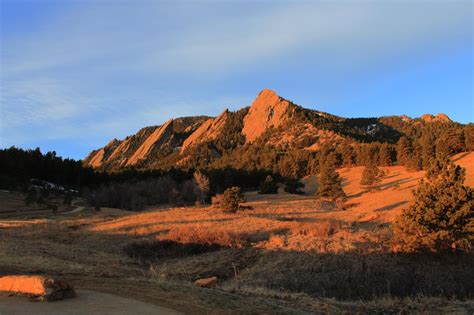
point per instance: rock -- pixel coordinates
(209, 130)
(158, 137)
(41, 288)
(206, 282)
(267, 111)
(440, 117)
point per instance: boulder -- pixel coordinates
(42, 288)
(206, 282)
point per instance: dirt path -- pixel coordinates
(86, 302)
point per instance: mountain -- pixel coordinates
(271, 121)
(146, 143)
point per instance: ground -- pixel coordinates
(289, 254)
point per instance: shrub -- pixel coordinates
(230, 200)
(268, 186)
(294, 187)
(441, 216)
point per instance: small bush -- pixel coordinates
(231, 199)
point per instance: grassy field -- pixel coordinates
(290, 254)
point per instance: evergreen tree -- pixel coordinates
(294, 187)
(348, 155)
(385, 155)
(231, 200)
(441, 216)
(371, 175)
(404, 151)
(469, 137)
(330, 184)
(268, 186)
(428, 148)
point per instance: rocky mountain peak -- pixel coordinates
(268, 110)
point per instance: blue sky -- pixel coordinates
(75, 74)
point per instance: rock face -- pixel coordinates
(284, 124)
(158, 138)
(267, 111)
(209, 130)
(146, 142)
(440, 117)
(98, 157)
(40, 287)
(206, 282)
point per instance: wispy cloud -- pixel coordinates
(104, 68)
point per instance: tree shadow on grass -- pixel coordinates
(391, 206)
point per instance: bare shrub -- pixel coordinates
(202, 186)
(198, 235)
(320, 229)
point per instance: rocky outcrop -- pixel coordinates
(208, 131)
(267, 111)
(40, 287)
(157, 138)
(206, 282)
(98, 157)
(440, 118)
(146, 142)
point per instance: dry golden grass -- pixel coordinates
(292, 249)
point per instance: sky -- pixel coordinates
(76, 74)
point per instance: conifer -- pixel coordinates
(330, 184)
(441, 216)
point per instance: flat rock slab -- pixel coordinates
(40, 287)
(86, 303)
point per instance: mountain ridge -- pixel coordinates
(270, 120)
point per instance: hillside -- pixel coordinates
(289, 254)
(271, 121)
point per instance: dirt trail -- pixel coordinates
(86, 302)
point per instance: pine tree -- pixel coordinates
(404, 151)
(231, 200)
(385, 155)
(428, 148)
(269, 186)
(441, 216)
(330, 184)
(371, 175)
(469, 137)
(348, 155)
(294, 186)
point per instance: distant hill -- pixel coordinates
(270, 122)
